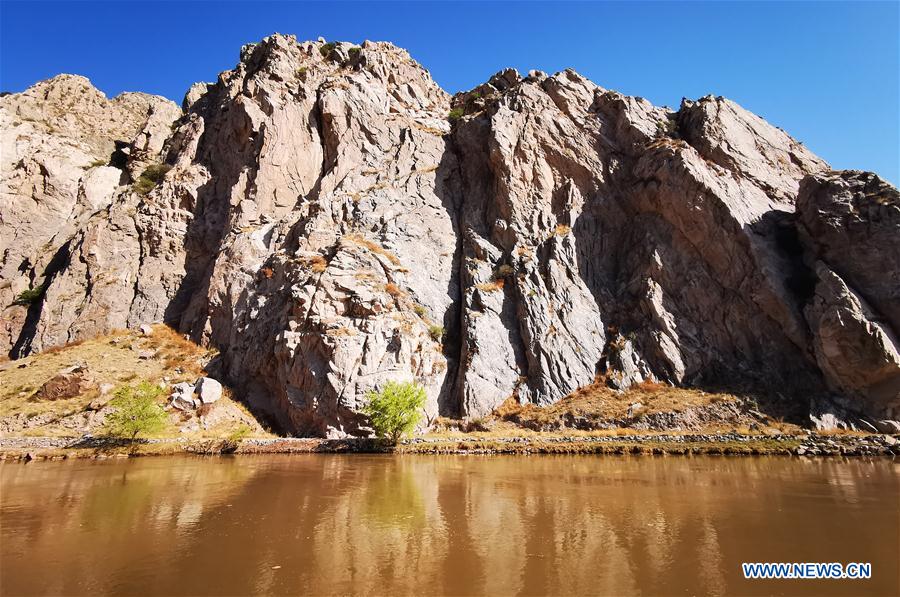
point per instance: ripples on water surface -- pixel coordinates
(442, 525)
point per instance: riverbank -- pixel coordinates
(812, 444)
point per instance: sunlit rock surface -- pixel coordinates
(331, 219)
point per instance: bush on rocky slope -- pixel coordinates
(137, 410)
(394, 409)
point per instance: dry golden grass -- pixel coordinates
(317, 264)
(60, 347)
(107, 363)
(341, 332)
(428, 129)
(841, 432)
(667, 142)
(366, 276)
(374, 247)
(504, 429)
(394, 290)
(601, 402)
(562, 230)
(492, 286)
(177, 352)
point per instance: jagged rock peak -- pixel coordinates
(302, 66)
(70, 106)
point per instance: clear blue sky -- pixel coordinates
(827, 72)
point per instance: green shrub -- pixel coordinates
(97, 164)
(667, 128)
(156, 172)
(137, 411)
(240, 433)
(30, 296)
(503, 271)
(326, 49)
(354, 53)
(455, 114)
(150, 177)
(394, 411)
(233, 441)
(301, 72)
(420, 310)
(436, 332)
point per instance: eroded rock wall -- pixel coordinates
(331, 219)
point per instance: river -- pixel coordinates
(456, 525)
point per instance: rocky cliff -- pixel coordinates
(330, 219)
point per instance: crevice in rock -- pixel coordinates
(448, 181)
(22, 345)
(800, 279)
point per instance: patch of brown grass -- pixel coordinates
(394, 290)
(341, 332)
(372, 246)
(492, 286)
(428, 129)
(599, 402)
(317, 264)
(61, 347)
(837, 432)
(175, 351)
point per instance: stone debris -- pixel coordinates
(186, 396)
(69, 383)
(182, 397)
(208, 390)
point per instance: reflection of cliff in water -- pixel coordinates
(441, 525)
(82, 524)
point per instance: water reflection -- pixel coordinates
(442, 525)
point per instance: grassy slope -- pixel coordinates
(118, 359)
(127, 357)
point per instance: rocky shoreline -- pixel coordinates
(807, 445)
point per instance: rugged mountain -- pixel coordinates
(64, 151)
(330, 219)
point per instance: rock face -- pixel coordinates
(330, 219)
(850, 225)
(65, 147)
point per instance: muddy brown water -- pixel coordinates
(454, 525)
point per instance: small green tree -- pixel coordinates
(394, 411)
(137, 411)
